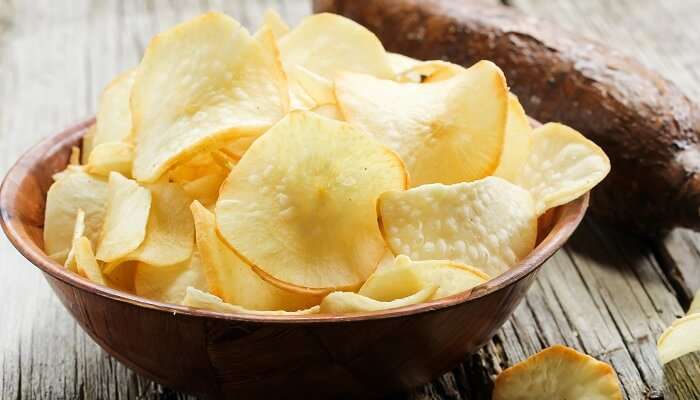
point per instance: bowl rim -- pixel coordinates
(569, 216)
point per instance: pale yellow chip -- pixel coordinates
(86, 263)
(429, 71)
(300, 205)
(448, 131)
(273, 21)
(489, 224)
(391, 284)
(75, 190)
(170, 230)
(205, 189)
(403, 276)
(202, 84)
(112, 156)
(695, 305)
(516, 146)
(74, 156)
(238, 147)
(400, 63)
(114, 117)
(121, 277)
(78, 232)
(329, 111)
(88, 143)
(233, 280)
(198, 299)
(679, 339)
(349, 302)
(196, 167)
(558, 372)
(317, 87)
(561, 166)
(168, 284)
(124, 227)
(327, 44)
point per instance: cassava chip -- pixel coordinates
(86, 263)
(198, 299)
(391, 284)
(561, 166)
(329, 111)
(168, 284)
(489, 224)
(74, 156)
(349, 302)
(124, 227)
(558, 372)
(75, 190)
(108, 157)
(78, 232)
(317, 87)
(205, 189)
(300, 205)
(87, 145)
(114, 117)
(202, 83)
(430, 71)
(448, 131)
(679, 339)
(695, 305)
(404, 275)
(233, 280)
(170, 229)
(327, 43)
(400, 62)
(275, 23)
(516, 146)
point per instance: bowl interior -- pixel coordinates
(22, 202)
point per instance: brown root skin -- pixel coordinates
(645, 124)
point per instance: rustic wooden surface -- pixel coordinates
(607, 293)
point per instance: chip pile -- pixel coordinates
(303, 171)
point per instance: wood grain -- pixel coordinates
(606, 293)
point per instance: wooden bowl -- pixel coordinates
(250, 356)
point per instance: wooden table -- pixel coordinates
(607, 293)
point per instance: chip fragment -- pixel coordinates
(199, 299)
(183, 100)
(349, 302)
(168, 284)
(78, 232)
(124, 227)
(516, 146)
(558, 372)
(300, 205)
(85, 262)
(108, 157)
(448, 131)
(489, 224)
(561, 166)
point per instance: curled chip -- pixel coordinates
(400, 63)
(170, 229)
(558, 372)
(168, 284)
(183, 101)
(682, 337)
(430, 71)
(349, 302)
(561, 166)
(85, 261)
(114, 117)
(489, 224)
(448, 131)
(124, 228)
(74, 190)
(78, 232)
(404, 276)
(198, 299)
(108, 157)
(326, 44)
(516, 146)
(300, 205)
(233, 280)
